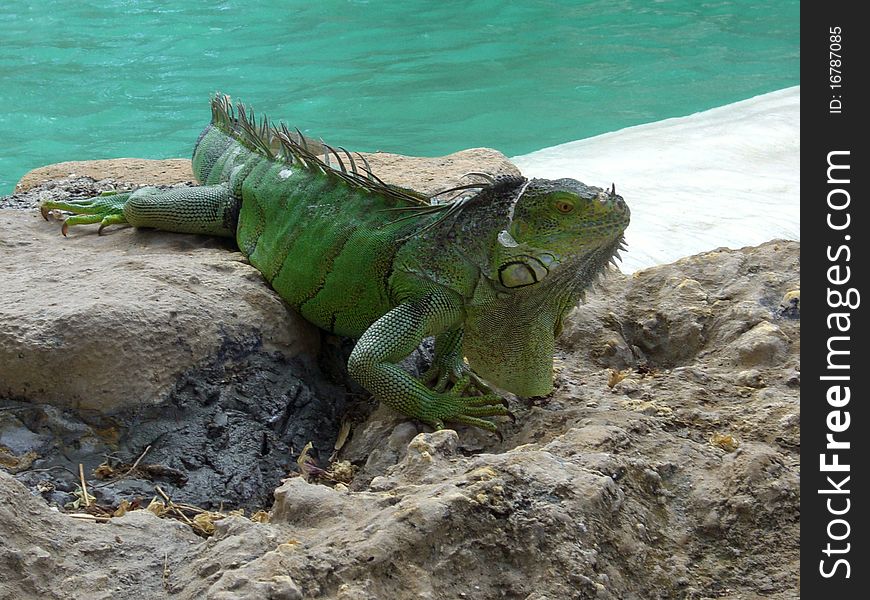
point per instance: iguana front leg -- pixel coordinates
(448, 365)
(393, 337)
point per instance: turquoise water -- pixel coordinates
(109, 78)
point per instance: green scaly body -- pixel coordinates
(491, 275)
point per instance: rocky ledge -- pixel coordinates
(665, 464)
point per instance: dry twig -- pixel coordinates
(85, 498)
(171, 505)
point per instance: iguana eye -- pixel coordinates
(564, 207)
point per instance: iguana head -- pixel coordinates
(559, 227)
(559, 237)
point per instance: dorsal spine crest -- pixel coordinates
(277, 143)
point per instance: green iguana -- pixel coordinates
(491, 275)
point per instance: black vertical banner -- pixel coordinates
(835, 422)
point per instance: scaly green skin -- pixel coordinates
(491, 275)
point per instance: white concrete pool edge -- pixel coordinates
(729, 176)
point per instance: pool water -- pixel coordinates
(110, 78)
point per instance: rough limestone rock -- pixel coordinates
(135, 171)
(107, 322)
(665, 465)
(47, 555)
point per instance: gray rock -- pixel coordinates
(764, 344)
(101, 323)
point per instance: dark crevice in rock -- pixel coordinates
(205, 440)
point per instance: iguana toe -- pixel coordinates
(482, 423)
(111, 220)
(79, 220)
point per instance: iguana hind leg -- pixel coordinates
(105, 209)
(395, 335)
(206, 209)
